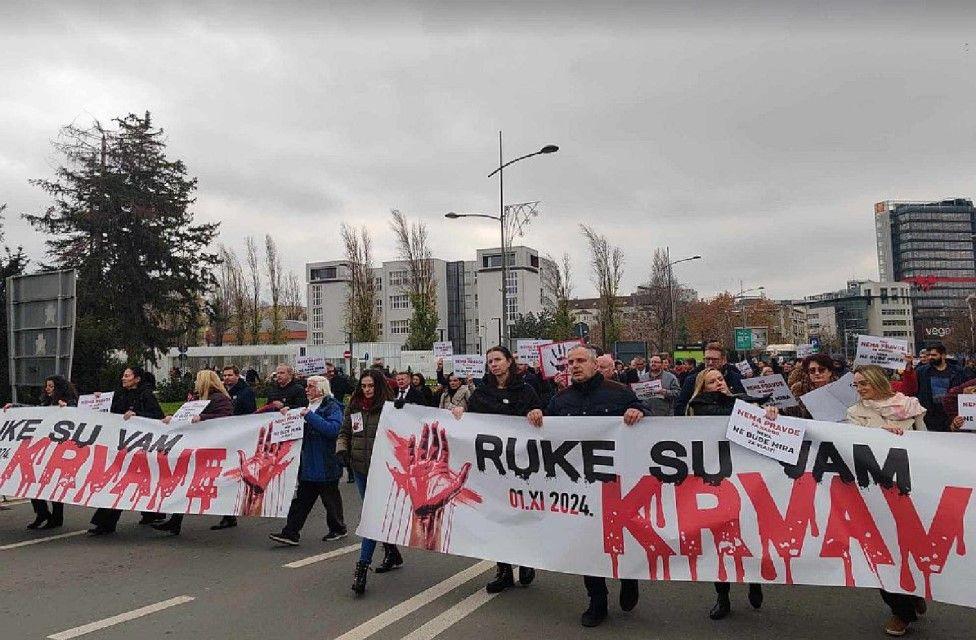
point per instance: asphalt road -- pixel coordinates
(236, 584)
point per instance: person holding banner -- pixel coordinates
(286, 391)
(592, 395)
(61, 393)
(355, 446)
(320, 469)
(880, 407)
(207, 386)
(134, 398)
(950, 403)
(712, 397)
(815, 371)
(504, 393)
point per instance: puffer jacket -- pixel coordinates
(359, 444)
(459, 399)
(595, 397)
(220, 406)
(716, 403)
(319, 462)
(517, 399)
(140, 400)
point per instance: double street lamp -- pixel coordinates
(503, 219)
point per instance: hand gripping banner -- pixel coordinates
(672, 499)
(227, 466)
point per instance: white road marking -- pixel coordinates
(452, 616)
(407, 607)
(122, 617)
(304, 562)
(27, 543)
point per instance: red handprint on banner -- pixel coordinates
(257, 471)
(429, 483)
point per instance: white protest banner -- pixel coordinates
(744, 368)
(888, 353)
(673, 499)
(552, 358)
(226, 466)
(443, 349)
(528, 350)
(804, 350)
(189, 410)
(967, 409)
(774, 386)
(648, 389)
(290, 426)
(830, 402)
(309, 365)
(469, 365)
(96, 401)
(749, 427)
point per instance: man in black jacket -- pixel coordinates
(285, 392)
(714, 359)
(592, 395)
(405, 392)
(935, 379)
(240, 392)
(338, 381)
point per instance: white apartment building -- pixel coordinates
(468, 298)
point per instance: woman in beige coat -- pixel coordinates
(456, 394)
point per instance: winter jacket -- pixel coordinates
(413, 396)
(950, 403)
(898, 411)
(663, 405)
(732, 378)
(516, 399)
(341, 386)
(936, 418)
(319, 462)
(594, 397)
(140, 400)
(459, 399)
(220, 406)
(292, 395)
(716, 403)
(243, 398)
(359, 444)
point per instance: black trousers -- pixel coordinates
(109, 518)
(56, 513)
(902, 605)
(723, 588)
(596, 587)
(305, 497)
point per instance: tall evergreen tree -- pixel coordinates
(122, 216)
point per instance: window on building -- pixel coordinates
(398, 278)
(399, 327)
(324, 273)
(400, 301)
(534, 261)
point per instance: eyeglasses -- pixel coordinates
(860, 383)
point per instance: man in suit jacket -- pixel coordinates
(405, 393)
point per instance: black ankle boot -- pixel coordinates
(171, 527)
(391, 559)
(38, 521)
(359, 578)
(755, 595)
(526, 576)
(503, 579)
(722, 608)
(595, 614)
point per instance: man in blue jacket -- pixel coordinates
(934, 381)
(590, 394)
(320, 469)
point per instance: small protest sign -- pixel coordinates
(648, 389)
(443, 349)
(310, 365)
(290, 426)
(552, 358)
(888, 353)
(469, 365)
(967, 409)
(528, 350)
(189, 410)
(774, 386)
(96, 401)
(830, 402)
(780, 439)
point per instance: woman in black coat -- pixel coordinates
(712, 397)
(503, 393)
(133, 398)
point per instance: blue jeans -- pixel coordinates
(369, 546)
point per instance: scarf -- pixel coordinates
(897, 407)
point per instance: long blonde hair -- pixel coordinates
(699, 384)
(876, 378)
(206, 382)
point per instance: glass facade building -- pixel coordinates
(931, 246)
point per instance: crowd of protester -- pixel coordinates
(342, 416)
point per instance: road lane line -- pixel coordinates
(304, 562)
(407, 607)
(122, 617)
(27, 543)
(452, 616)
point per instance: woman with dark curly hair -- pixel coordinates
(815, 371)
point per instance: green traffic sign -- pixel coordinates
(743, 339)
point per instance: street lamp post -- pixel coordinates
(745, 307)
(671, 296)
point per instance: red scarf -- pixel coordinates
(367, 403)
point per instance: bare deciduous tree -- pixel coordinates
(253, 284)
(607, 263)
(361, 318)
(272, 265)
(421, 287)
(557, 286)
(293, 298)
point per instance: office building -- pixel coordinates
(929, 245)
(882, 309)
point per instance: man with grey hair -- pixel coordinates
(607, 367)
(285, 391)
(590, 394)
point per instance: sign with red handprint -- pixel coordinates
(552, 359)
(424, 479)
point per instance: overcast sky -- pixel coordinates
(758, 135)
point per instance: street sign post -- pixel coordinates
(743, 339)
(41, 326)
